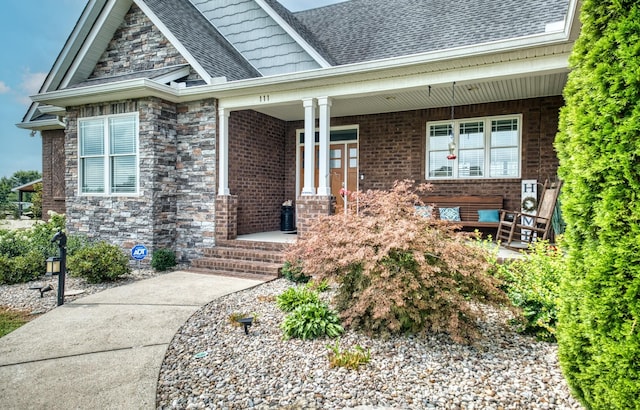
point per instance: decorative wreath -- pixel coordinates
(529, 204)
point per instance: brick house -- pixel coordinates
(183, 123)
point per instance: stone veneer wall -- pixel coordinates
(196, 177)
(176, 202)
(392, 146)
(137, 45)
(256, 170)
(53, 171)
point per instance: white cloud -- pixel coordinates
(4, 88)
(30, 85)
(31, 82)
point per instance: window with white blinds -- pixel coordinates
(108, 149)
(482, 148)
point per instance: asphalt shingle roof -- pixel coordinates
(202, 40)
(366, 30)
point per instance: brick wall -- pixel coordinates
(392, 146)
(53, 171)
(256, 170)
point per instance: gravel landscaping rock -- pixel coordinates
(211, 364)
(20, 297)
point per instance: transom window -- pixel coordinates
(108, 149)
(479, 148)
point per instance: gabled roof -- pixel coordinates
(216, 55)
(366, 30)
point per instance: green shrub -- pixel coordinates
(321, 286)
(532, 284)
(99, 262)
(5, 268)
(310, 321)
(294, 297)
(26, 267)
(598, 144)
(293, 272)
(163, 259)
(398, 272)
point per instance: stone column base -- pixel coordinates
(309, 209)
(226, 217)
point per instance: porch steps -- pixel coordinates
(242, 259)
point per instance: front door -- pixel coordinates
(343, 168)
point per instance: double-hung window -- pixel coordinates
(108, 149)
(474, 148)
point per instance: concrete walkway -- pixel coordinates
(103, 351)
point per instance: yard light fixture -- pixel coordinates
(56, 265)
(246, 322)
(53, 266)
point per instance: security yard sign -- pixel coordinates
(139, 252)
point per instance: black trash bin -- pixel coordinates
(287, 218)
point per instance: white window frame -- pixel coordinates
(107, 155)
(487, 147)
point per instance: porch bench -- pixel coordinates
(469, 206)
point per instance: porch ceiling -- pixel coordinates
(465, 93)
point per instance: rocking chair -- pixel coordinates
(516, 229)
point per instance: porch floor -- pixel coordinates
(274, 236)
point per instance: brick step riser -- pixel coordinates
(252, 245)
(245, 255)
(237, 266)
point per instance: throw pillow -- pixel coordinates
(424, 211)
(450, 214)
(488, 215)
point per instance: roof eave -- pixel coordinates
(42, 125)
(138, 88)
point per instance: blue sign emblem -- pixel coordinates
(139, 252)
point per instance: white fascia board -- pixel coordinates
(246, 93)
(136, 88)
(174, 41)
(42, 125)
(88, 43)
(294, 34)
(51, 109)
(173, 75)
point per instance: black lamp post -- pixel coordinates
(58, 265)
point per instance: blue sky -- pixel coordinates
(34, 32)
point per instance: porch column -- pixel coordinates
(309, 146)
(324, 183)
(223, 153)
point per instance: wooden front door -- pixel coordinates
(343, 168)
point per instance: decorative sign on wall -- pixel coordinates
(528, 204)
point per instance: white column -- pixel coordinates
(223, 152)
(324, 183)
(309, 146)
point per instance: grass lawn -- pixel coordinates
(10, 320)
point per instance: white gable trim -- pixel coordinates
(88, 43)
(294, 34)
(174, 41)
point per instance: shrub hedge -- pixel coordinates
(599, 149)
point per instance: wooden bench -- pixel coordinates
(469, 207)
